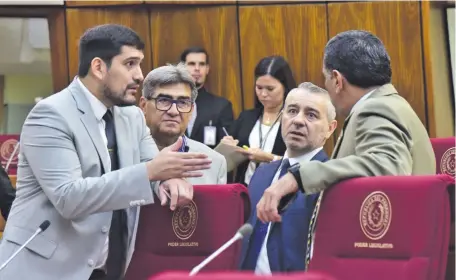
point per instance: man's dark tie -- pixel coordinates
(260, 231)
(118, 233)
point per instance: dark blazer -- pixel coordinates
(240, 130)
(7, 193)
(213, 108)
(287, 240)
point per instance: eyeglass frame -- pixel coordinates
(173, 101)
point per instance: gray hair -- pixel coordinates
(168, 75)
(308, 86)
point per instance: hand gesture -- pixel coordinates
(179, 192)
(169, 164)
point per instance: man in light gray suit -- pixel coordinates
(167, 102)
(86, 165)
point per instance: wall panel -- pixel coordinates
(397, 24)
(78, 3)
(214, 28)
(78, 20)
(297, 32)
(59, 55)
(191, 2)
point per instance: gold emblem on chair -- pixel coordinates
(7, 149)
(447, 163)
(184, 220)
(375, 215)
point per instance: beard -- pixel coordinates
(116, 98)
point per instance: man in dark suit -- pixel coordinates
(213, 113)
(7, 193)
(308, 121)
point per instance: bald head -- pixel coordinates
(308, 119)
(309, 88)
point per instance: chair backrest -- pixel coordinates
(444, 149)
(181, 239)
(392, 227)
(243, 276)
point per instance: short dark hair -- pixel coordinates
(360, 57)
(277, 67)
(105, 41)
(183, 56)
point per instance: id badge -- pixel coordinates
(210, 135)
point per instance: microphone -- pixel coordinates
(44, 225)
(242, 232)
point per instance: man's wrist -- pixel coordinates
(294, 170)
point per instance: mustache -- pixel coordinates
(134, 85)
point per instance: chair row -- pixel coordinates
(374, 228)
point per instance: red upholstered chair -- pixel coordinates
(377, 228)
(444, 149)
(181, 239)
(243, 276)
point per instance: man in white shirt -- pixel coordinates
(308, 121)
(167, 101)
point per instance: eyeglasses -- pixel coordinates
(165, 103)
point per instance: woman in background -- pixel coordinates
(259, 128)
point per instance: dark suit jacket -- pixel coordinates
(241, 129)
(7, 193)
(287, 240)
(211, 108)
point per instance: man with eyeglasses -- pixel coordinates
(167, 102)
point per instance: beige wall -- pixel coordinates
(22, 89)
(440, 61)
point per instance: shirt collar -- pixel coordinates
(364, 97)
(98, 108)
(302, 158)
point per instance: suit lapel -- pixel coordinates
(201, 119)
(90, 122)
(123, 139)
(261, 181)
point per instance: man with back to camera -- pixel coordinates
(308, 120)
(167, 102)
(86, 165)
(212, 113)
(381, 135)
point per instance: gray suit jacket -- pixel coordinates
(382, 136)
(216, 175)
(60, 179)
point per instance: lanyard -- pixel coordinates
(263, 141)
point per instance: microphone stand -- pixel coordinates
(41, 228)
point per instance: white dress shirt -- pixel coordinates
(269, 134)
(262, 266)
(364, 97)
(99, 110)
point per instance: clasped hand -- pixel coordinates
(171, 167)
